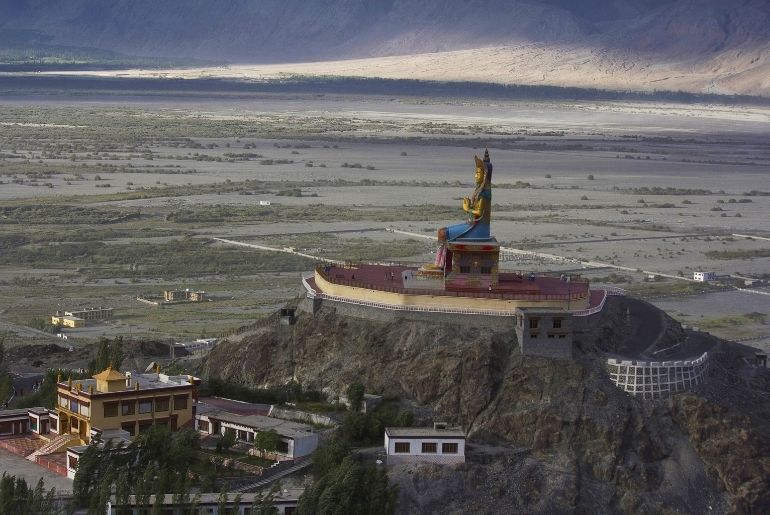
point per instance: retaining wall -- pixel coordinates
(656, 379)
(388, 315)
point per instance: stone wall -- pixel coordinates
(300, 416)
(502, 323)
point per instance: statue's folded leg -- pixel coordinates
(453, 231)
(464, 231)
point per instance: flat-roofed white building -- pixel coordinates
(703, 277)
(437, 444)
(296, 439)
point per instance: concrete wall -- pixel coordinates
(305, 445)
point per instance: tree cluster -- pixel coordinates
(108, 353)
(345, 485)
(350, 488)
(21, 499)
(6, 383)
(156, 463)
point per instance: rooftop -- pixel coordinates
(210, 405)
(145, 381)
(286, 495)
(284, 428)
(21, 412)
(424, 432)
(110, 374)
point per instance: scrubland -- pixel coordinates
(104, 199)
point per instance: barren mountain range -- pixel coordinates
(717, 46)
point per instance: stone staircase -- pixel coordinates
(53, 446)
(275, 473)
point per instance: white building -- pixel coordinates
(703, 277)
(296, 439)
(201, 344)
(285, 502)
(438, 444)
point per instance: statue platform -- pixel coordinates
(401, 285)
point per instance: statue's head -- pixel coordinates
(481, 170)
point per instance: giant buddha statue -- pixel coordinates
(478, 208)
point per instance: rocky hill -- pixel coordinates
(547, 435)
(699, 45)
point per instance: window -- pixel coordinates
(533, 336)
(533, 323)
(161, 404)
(145, 405)
(465, 269)
(449, 448)
(561, 336)
(33, 423)
(282, 447)
(54, 425)
(110, 409)
(203, 426)
(73, 406)
(63, 401)
(72, 462)
(402, 447)
(74, 423)
(128, 408)
(130, 427)
(429, 447)
(180, 402)
(557, 323)
(551, 336)
(486, 270)
(85, 409)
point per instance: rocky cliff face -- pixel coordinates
(550, 435)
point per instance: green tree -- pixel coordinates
(108, 353)
(263, 503)
(155, 463)
(6, 382)
(329, 455)
(350, 488)
(355, 396)
(227, 440)
(266, 441)
(20, 499)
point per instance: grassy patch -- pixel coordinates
(183, 258)
(738, 254)
(731, 321)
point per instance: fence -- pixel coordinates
(313, 294)
(51, 465)
(655, 379)
(264, 322)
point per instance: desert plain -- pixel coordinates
(122, 192)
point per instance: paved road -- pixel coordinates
(18, 466)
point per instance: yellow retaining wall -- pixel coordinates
(439, 301)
